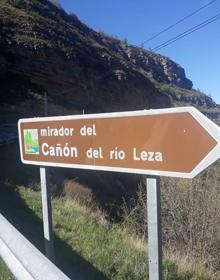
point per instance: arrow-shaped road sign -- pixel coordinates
(177, 142)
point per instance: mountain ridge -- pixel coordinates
(44, 49)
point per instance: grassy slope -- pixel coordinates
(4, 272)
(89, 248)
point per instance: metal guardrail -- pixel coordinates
(24, 260)
(8, 133)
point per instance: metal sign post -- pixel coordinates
(154, 228)
(47, 215)
(46, 205)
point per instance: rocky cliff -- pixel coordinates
(44, 49)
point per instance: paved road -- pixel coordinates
(8, 133)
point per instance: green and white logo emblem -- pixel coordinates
(31, 142)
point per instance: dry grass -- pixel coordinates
(188, 263)
(190, 220)
(130, 237)
(75, 204)
(79, 193)
(191, 217)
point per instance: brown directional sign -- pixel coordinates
(178, 142)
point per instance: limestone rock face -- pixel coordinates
(44, 49)
(160, 68)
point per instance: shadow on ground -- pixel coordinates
(25, 220)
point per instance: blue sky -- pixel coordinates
(199, 53)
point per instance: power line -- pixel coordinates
(187, 32)
(179, 21)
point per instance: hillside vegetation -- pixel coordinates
(44, 49)
(86, 245)
(190, 219)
